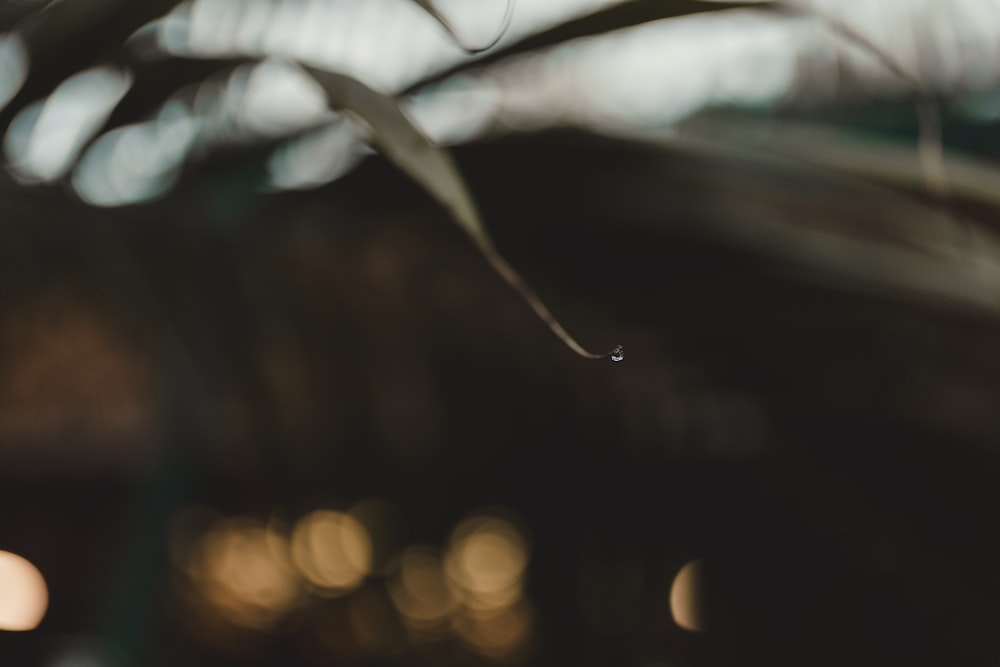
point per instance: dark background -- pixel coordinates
(825, 445)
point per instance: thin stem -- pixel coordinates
(514, 279)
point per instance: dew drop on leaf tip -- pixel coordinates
(617, 354)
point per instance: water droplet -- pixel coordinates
(617, 354)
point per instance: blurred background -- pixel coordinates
(263, 403)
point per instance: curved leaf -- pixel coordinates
(622, 15)
(428, 6)
(404, 144)
(431, 166)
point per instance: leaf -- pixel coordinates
(405, 145)
(834, 148)
(67, 37)
(616, 17)
(429, 7)
(431, 166)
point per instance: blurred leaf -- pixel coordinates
(66, 37)
(870, 159)
(805, 218)
(429, 7)
(156, 81)
(405, 145)
(622, 15)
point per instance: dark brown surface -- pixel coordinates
(829, 447)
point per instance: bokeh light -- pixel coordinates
(419, 590)
(486, 560)
(485, 564)
(13, 66)
(332, 550)
(686, 597)
(137, 162)
(500, 636)
(316, 157)
(45, 138)
(24, 597)
(242, 570)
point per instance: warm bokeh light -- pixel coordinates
(241, 569)
(499, 636)
(491, 604)
(486, 561)
(686, 597)
(419, 590)
(485, 564)
(24, 596)
(332, 550)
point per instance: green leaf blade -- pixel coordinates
(404, 144)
